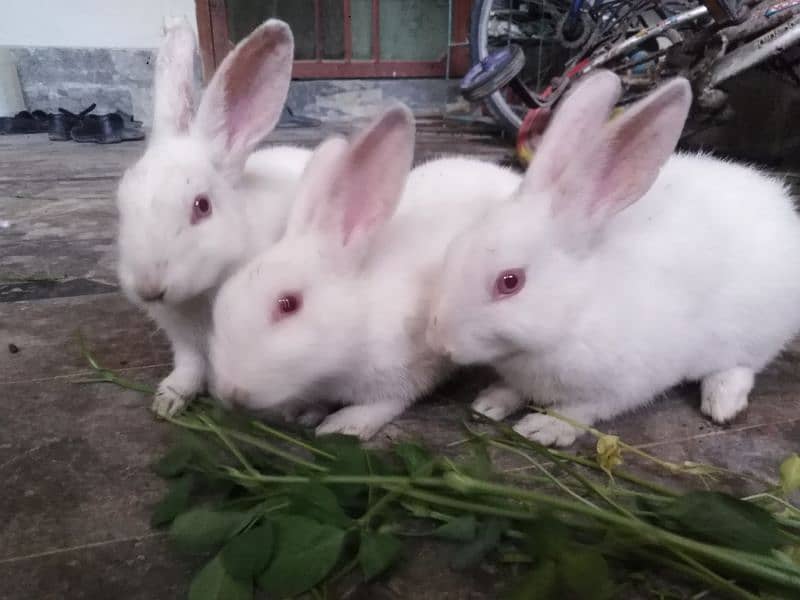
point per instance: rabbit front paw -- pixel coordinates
(546, 430)
(724, 394)
(306, 417)
(174, 393)
(497, 402)
(361, 420)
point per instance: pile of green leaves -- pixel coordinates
(292, 514)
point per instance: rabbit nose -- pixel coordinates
(149, 287)
(151, 293)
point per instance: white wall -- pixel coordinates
(88, 23)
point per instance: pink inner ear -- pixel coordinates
(374, 173)
(255, 88)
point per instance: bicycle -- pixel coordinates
(526, 53)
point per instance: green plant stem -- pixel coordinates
(618, 473)
(376, 508)
(482, 509)
(291, 440)
(703, 574)
(790, 507)
(186, 422)
(552, 478)
(228, 444)
(719, 582)
(272, 449)
(379, 480)
(588, 485)
(741, 561)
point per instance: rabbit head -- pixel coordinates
(515, 281)
(181, 222)
(292, 319)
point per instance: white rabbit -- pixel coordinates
(199, 202)
(335, 313)
(607, 279)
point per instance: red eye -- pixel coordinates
(286, 305)
(509, 283)
(201, 208)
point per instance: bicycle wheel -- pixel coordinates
(533, 25)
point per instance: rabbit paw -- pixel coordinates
(362, 420)
(173, 394)
(306, 417)
(546, 430)
(724, 395)
(497, 402)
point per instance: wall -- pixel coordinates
(88, 23)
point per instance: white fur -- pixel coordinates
(698, 280)
(159, 248)
(359, 339)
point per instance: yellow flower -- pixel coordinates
(609, 453)
(790, 474)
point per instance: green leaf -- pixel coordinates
(247, 554)
(213, 582)
(350, 460)
(418, 461)
(305, 552)
(202, 448)
(460, 529)
(201, 530)
(721, 519)
(539, 584)
(377, 552)
(174, 462)
(476, 463)
(350, 457)
(174, 502)
(317, 502)
(488, 537)
(790, 474)
(585, 573)
(546, 538)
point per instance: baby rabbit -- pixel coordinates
(200, 201)
(335, 313)
(607, 279)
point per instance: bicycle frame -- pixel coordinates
(780, 33)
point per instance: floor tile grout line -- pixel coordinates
(54, 551)
(83, 374)
(712, 434)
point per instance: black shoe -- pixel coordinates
(62, 122)
(106, 129)
(25, 122)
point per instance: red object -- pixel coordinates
(537, 119)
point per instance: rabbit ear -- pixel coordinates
(321, 169)
(245, 98)
(350, 190)
(578, 119)
(174, 81)
(636, 145)
(593, 172)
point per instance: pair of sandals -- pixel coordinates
(65, 125)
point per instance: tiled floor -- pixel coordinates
(77, 491)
